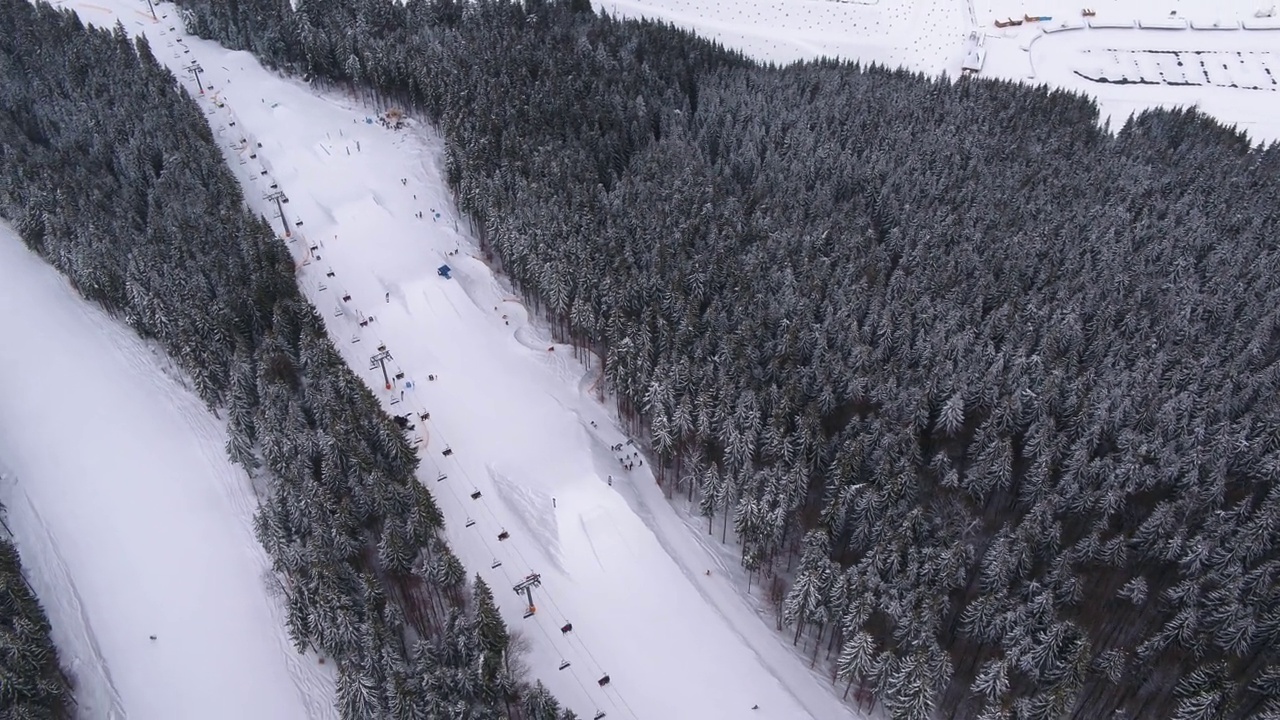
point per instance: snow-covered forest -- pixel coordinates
(32, 685)
(109, 171)
(995, 389)
(987, 394)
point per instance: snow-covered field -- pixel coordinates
(370, 221)
(938, 36)
(1149, 53)
(132, 523)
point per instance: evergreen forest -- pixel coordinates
(32, 685)
(109, 172)
(986, 393)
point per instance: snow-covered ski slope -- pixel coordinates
(516, 413)
(132, 523)
(1126, 41)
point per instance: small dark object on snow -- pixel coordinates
(153, 637)
(603, 681)
(566, 628)
(755, 707)
(504, 535)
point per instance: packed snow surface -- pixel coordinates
(515, 446)
(131, 522)
(1149, 52)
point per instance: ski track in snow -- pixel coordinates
(72, 633)
(138, 523)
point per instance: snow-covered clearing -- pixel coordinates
(132, 523)
(941, 36)
(515, 411)
(1136, 54)
(921, 34)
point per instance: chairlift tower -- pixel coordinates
(380, 360)
(195, 70)
(525, 587)
(279, 198)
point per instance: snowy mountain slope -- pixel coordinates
(131, 522)
(512, 409)
(938, 36)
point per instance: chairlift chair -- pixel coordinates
(504, 535)
(496, 564)
(475, 495)
(564, 664)
(447, 452)
(470, 522)
(599, 714)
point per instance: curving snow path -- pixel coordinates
(523, 431)
(132, 523)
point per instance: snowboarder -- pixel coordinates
(553, 502)
(388, 297)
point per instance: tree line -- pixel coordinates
(32, 684)
(985, 392)
(109, 172)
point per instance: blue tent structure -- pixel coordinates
(443, 271)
